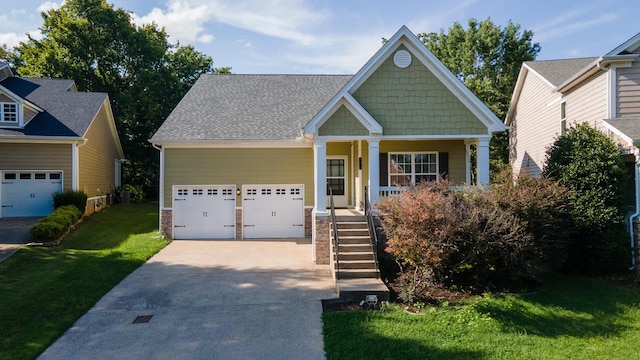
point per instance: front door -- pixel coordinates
(337, 180)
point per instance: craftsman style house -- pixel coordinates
(252, 156)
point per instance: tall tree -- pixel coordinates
(100, 48)
(487, 58)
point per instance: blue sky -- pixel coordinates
(338, 37)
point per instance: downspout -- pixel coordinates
(635, 215)
(75, 164)
(160, 185)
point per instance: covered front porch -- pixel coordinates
(383, 167)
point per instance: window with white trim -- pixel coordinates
(406, 169)
(8, 112)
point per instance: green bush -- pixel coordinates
(70, 197)
(590, 164)
(136, 194)
(544, 206)
(54, 225)
(445, 239)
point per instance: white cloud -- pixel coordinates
(49, 5)
(572, 22)
(11, 39)
(205, 38)
(184, 20)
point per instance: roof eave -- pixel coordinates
(600, 64)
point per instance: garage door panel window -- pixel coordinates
(10, 176)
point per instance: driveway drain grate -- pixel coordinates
(142, 319)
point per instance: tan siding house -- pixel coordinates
(263, 152)
(601, 91)
(53, 138)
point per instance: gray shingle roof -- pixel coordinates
(236, 107)
(67, 113)
(558, 71)
(628, 126)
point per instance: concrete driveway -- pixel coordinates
(14, 233)
(209, 300)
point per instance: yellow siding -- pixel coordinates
(97, 157)
(455, 148)
(535, 125)
(588, 101)
(238, 166)
(412, 101)
(628, 90)
(38, 157)
(5, 98)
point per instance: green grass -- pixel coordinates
(43, 291)
(571, 318)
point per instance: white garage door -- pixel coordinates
(29, 193)
(273, 211)
(204, 212)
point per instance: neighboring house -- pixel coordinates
(250, 156)
(54, 138)
(553, 94)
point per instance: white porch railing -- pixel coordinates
(387, 191)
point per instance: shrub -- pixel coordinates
(590, 164)
(70, 197)
(54, 225)
(136, 194)
(443, 238)
(544, 206)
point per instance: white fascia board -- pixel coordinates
(343, 98)
(40, 139)
(622, 135)
(628, 45)
(13, 96)
(231, 144)
(446, 77)
(437, 137)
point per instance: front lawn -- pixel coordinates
(43, 291)
(571, 318)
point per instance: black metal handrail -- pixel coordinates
(368, 213)
(336, 239)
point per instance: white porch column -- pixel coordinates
(467, 163)
(482, 165)
(374, 170)
(320, 173)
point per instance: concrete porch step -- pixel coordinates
(356, 255)
(351, 218)
(358, 274)
(346, 248)
(353, 232)
(357, 265)
(356, 290)
(354, 240)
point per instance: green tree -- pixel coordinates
(487, 58)
(100, 48)
(587, 162)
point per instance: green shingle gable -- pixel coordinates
(412, 101)
(342, 123)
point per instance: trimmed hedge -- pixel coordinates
(54, 225)
(70, 197)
